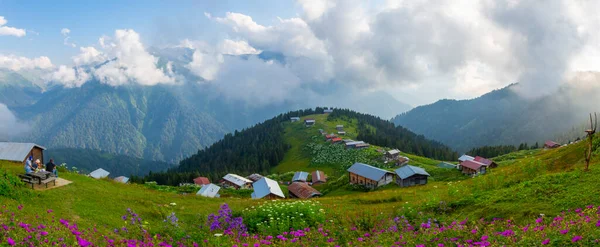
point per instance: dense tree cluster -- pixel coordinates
(253, 150)
(493, 151)
(381, 132)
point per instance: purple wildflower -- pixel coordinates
(10, 242)
(576, 238)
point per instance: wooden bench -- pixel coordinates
(48, 180)
(28, 179)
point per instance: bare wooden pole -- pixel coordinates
(590, 136)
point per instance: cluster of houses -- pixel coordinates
(474, 165)
(264, 187)
(373, 177)
(348, 143)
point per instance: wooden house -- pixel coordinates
(489, 163)
(201, 181)
(361, 145)
(401, 160)
(411, 175)
(236, 181)
(339, 127)
(302, 191)
(471, 167)
(342, 133)
(19, 152)
(318, 177)
(392, 154)
(551, 145)
(267, 188)
(328, 110)
(352, 144)
(294, 119)
(369, 176)
(309, 122)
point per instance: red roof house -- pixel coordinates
(489, 163)
(336, 140)
(472, 167)
(551, 144)
(201, 181)
(329, 137)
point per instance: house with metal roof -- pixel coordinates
(309, 122)
(294, 119)
(18, 152)
(465, 157)
(411, 175)
(318, 177)
(361, 145)
(122, 179)
(254, 177)
(209, 190)
(336, 140)
(339, 127)
(300, 177)
(401, 160)
(392, 154)
(99, 173)
(267, 188)
(237, 181)
(369, 176)
(352, 144)
(342, 133)
(201, 181)
(446, 165)
(302, 191)
(329, 110)
(472, 167)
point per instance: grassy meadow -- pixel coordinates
(531, 188)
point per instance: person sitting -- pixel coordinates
(28, 165)
(38, 165)
(51, 167)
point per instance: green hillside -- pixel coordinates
(280, 146)
(527, 184)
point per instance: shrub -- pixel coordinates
(274, 217)
(11, 186)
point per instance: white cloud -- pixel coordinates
(256, 82)
(240, 47)
(89, 55)
(462, 48)
(17, 63)
(10, 31)
(205, 65)
(10, 125)
(65, 31)
(132, 62)
(70, 77)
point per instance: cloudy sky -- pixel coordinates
(417, 50)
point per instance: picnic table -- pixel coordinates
(42, 177)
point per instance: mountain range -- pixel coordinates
(161, 122)
(505, 117)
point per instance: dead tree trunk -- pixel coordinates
(590, 136)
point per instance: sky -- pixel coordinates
(419, 51)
